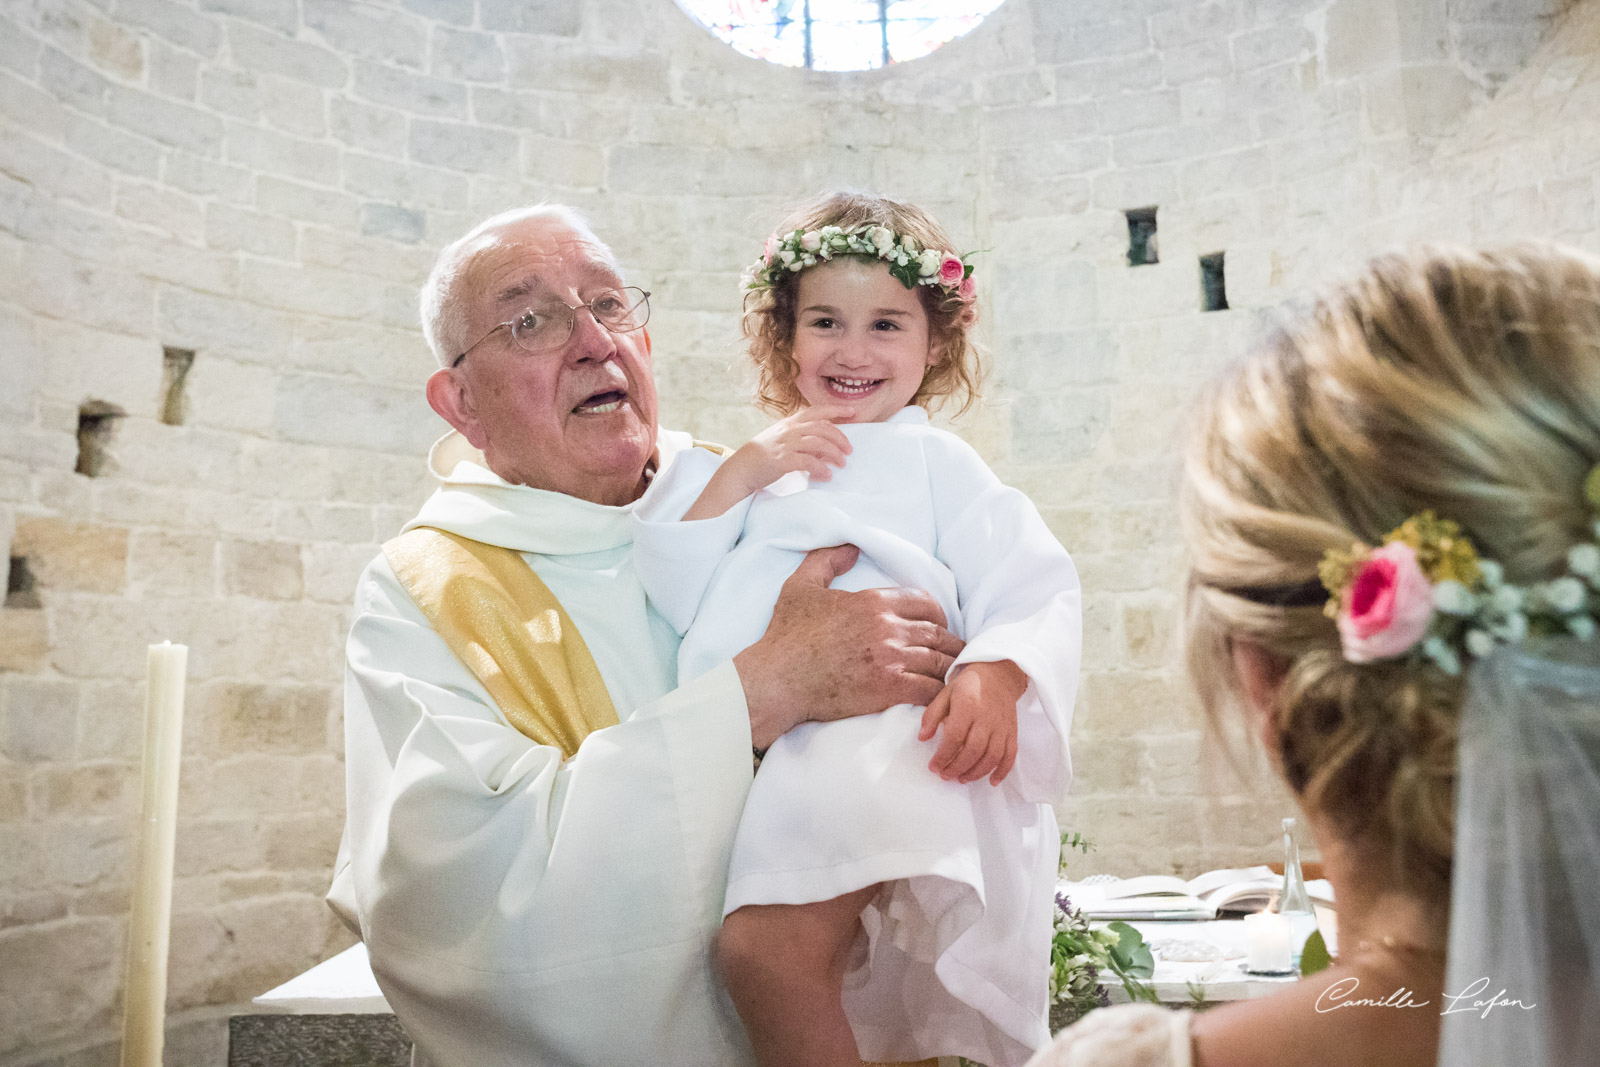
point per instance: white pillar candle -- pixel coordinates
(1266, 936)
(144, 1008)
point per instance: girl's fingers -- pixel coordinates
(950, 748)
(1007, 763)
(974, 746)
(987, 760)
(934, 714)
(824, 450)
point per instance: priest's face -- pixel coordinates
(578, 419)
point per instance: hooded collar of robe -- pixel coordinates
(474, 502)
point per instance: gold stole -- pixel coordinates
(503, 622)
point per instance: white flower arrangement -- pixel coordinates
(911, 265)
(1427, 590)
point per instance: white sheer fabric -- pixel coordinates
(1130, 1035)
(1525, 915)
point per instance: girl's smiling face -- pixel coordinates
(861, 339)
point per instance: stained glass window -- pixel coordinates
(838, 34)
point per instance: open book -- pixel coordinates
(1165, 896)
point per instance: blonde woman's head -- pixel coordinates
(1459, 381)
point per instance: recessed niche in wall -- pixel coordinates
(175, 364)
(96, 419)
(20, 591)
(838, 34)
(1213, 283)
(1142, 236)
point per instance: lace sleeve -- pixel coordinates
(1131, 1035)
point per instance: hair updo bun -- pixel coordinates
(1463, 382)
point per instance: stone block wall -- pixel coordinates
(214, 215)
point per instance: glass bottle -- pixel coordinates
(1294, 903)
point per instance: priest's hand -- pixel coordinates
(831, 654)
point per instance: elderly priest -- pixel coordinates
(539, 816)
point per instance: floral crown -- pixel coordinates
(911, 264)
(1426, 591)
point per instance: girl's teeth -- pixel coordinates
(853, 385)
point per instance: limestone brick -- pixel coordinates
(173, 72)
(175, 23)
(41, 719)
(264, 150)
(415, 93)
(163, 564)
(24, 640)
(367, 127)
(59, 977)
(120, 152)
(263, 569)
(550, 17)
(367, 31)
(72, 556)
(232, 229)
(464, 56)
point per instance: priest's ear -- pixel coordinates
(448, 395)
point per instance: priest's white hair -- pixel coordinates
(443, 302)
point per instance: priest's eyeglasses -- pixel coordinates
(546, 328)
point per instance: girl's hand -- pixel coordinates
(805, 441)
(979, 713)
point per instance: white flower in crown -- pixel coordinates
(811, 241)
(928, 262)
(1581, 626)
(1565, 594)
(882, 238)
(1584, 560)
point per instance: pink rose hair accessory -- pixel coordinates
(1387, 609)
(1427, 595)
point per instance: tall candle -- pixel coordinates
(144, 1009)
(1266, 936)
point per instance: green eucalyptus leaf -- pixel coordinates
(1314, 957)
(1130, 952)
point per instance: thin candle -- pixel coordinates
(145, 1003)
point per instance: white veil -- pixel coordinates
(1525, 899)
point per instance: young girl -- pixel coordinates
(892, 881)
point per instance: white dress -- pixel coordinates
(955, 956)
(1130, 1035)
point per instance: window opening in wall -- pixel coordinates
(96, 418)
(20, 591)
(1213, 283)
(838, 34)
(1142, 236)
(175, 364)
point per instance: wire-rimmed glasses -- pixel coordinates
(547, 327)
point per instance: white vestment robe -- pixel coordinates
(955, 953)
(521, 909)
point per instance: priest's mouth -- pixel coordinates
(601, 403)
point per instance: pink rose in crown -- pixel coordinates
(951, 270)
(967, 290)
(771, 247)
(1387, 608)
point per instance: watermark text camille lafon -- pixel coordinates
(1342, 994)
